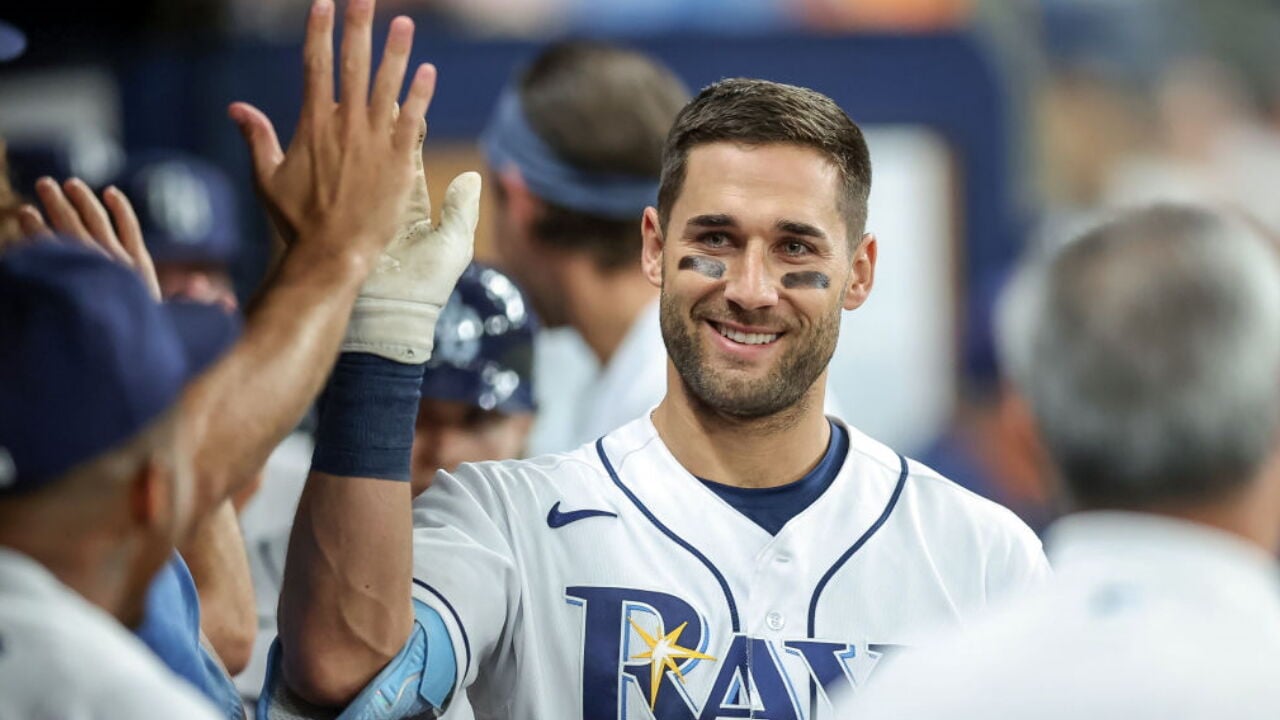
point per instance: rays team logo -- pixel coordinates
(650, 656)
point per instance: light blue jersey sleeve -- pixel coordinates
(418, 683)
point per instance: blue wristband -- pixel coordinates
(367, 414)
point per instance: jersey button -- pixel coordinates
(782, 558)
(775, 620)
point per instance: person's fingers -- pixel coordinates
(129, 232)
(421, 137)
(317, 60)
(461, 210)
(95, 218)
(395, 58)
(128, 229)
(260, 135)
(62, 215)
(409, 127)
(357, 38)
(32, 223)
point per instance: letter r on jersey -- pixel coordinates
(621, 630)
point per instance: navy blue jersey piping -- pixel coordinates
(724, 584)
(888, 510)
(822, 584)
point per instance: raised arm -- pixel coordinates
(346, 604)
(338, 195)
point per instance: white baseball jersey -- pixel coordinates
(1146, 617)
(65, 659)
(610, 583)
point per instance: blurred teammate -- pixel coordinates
(95, 488)
(109, 298)
(198, 617)
(734, 553)
(187, 212)
(477, 392)
(1148, 352)
(575, 150)
(477, 404)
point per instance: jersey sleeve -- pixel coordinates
(1016, 564)
(417, 683)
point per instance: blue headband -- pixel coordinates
(509, 140)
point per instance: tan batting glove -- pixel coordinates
(395, 314)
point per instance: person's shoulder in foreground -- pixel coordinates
(1145, 617)
(89, 665)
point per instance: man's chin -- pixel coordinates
(741, 399)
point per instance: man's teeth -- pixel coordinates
(745, 338)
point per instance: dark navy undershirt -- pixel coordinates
(771, 508)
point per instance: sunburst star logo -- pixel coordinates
(662, 655)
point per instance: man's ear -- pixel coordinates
(863, 272)
(149, 494)
(651, 251)
(521, 205)
(1024, 446)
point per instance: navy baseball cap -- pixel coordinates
(12, 42)
(186, 207)
(87, 358)
(483, 351)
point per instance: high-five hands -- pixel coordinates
(346, 178)
(353, 179)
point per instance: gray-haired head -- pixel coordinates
(1149, 351)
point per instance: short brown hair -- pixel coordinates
(604, 109)
(757, 112)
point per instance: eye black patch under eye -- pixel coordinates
(807, 279)
(710, 267)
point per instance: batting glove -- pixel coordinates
(395, 314)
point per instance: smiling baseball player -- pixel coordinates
(734, 553)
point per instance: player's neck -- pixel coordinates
(90, 564)
(758, 453)
(603, 306)
(1250, 511)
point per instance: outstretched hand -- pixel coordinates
(344, 183)
(77, 214)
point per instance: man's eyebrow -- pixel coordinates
(712, 221)
(803, 229)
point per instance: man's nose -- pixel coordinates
(750, 285)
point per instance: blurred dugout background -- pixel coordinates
(993, 124)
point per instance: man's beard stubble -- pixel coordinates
(772, 395)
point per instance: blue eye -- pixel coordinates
(714, 240)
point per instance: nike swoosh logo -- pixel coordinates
(557, 519)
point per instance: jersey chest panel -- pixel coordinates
(613, 585)
(642, 622)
